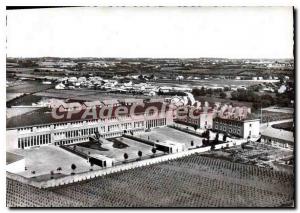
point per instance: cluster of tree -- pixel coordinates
(140, 154)
(27, 63)
(171, 93)
(209, 92)
(264, 100)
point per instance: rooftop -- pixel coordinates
(44, 116)
(248, 119)
(278, 133)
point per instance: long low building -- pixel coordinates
(42, 128)
(277, 137)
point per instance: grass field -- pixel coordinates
(28, 87)
(86, 94)
(193, 181)
(211, 82)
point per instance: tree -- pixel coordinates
(216, 138)
(212, 147)
(51, 173)
(125, 156)
(209, 91)
(192, 143)
(73, 167)
(153, 151)
(205, 142)
(199, 92)
(92, 164)
(223, 95)
(140, 154)
(243, 146)
(224, 137)
(207, 135)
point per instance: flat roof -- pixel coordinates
(100, 157)
(44, 116)
(232, 119)
(278, 133)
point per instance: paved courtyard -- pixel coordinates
(131, 149)
(167, 133)
(45, 159)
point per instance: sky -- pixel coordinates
(157, 32)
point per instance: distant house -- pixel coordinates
(180, 77)
(282, 89)
(92, 104)
(165, 89)
(60, 86)
(152, 93)
(110, 103)
(130, 101)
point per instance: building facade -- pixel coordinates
(199, 118)
(27, 131)
(278, 138)
(240, 128)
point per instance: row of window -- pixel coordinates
(82, 132)
(126, 126)
(155, 123)
(34, 141)
(64, 142)
(138, 124)
(113, 134)
(113, 127)
(230, 123)
(230, 130)
(25, 130)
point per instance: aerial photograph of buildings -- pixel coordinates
(150, 107)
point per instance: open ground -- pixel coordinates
(193, 181)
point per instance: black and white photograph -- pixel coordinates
(150, 107)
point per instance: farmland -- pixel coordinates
(85, 94)
(28, 87)
(193, 181)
